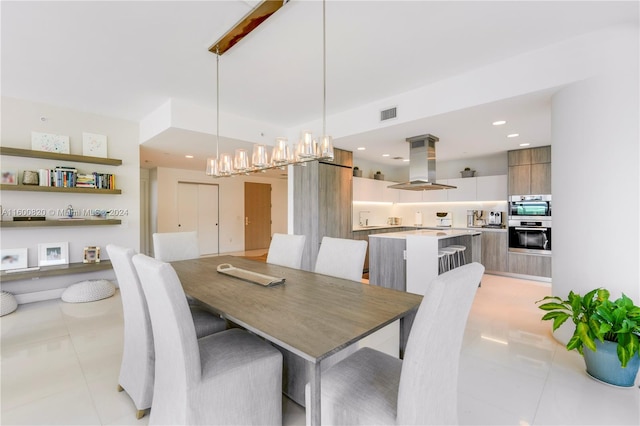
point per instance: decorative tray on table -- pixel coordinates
(250, 276)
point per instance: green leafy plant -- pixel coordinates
(597, 317)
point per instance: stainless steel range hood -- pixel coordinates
(422, 165)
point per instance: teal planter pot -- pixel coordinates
(604, 365)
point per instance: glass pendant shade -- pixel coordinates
(212, 166)
(280, 152)
(326, 147)
(225, 167)
(307, 146)
(241, 161)
(259, 158)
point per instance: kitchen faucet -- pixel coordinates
(366, 220)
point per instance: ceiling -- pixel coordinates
(125, 59)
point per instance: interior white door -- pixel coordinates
(198, 211)
(208, 218)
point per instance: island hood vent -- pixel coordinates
(422, 165)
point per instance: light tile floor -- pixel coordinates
(60, 364)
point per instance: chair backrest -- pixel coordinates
(341, 258)
(136, 373)
(286, 250)
(429, 379)
(174, 336)
(172, 246)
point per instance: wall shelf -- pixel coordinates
(56, 222)
(37, 188)
(57, 270)
(18, 152)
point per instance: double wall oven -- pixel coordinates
(530, 224)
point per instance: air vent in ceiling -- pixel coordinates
(388, 114)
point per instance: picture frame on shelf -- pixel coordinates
(13, 259)
(50, 254)
(94, 145)
(50, 142)
(91, 255)
(9, 177)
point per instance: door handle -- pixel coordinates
(246, 221)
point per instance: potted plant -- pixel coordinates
(467, 172)
(357, 172)
(608, 329)
(378, 175)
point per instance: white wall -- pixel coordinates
(231, 195)
(595, 177)
(19, 119)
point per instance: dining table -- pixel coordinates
(309, 314)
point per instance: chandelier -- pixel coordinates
(282, 154)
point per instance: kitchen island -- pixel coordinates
(408, 260)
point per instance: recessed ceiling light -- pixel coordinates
(385, 155)
(361, 148)
(188, 156)
(525, 144)
(406, 160)
(499, 123)
(513, 135)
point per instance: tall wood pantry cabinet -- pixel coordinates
(322, 202)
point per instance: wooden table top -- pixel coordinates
(311, 315)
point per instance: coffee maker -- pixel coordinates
(475, 218)
(495, 219)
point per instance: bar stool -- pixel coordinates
(442, 266)
(450, 255)
(460, 253)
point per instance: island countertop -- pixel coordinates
(432, 233)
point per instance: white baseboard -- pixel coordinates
(39, 296)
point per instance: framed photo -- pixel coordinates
(53, 254)
(10, 177)
(13, 259)
(94, 145)
(50, 142)
(91, 254)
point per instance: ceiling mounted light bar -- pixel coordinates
(248, 23)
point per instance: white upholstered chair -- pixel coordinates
(172, 246)
(341, 258)
(286, 250)
(370, 387)
(137, 367)
(231, 377)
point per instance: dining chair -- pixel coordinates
(286, 250)
(341, 258)
(137, 365)
(370, 387)
(173, 246)
(231, 377)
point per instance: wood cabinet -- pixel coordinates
(529, 264)
(530, 171)
(388, 263)
(322, 202)
(494, 251)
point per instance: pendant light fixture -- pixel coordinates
(307, 149)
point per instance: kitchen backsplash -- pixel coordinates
(377, 214)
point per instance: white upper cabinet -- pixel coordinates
(436, 195)
(372, 190)
(492, 188)
(465, 189)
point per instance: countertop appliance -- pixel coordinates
(530, 236)
(444, 219)
(530, 207)
(495, 219)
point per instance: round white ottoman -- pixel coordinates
(88, 291)
(8, 303)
